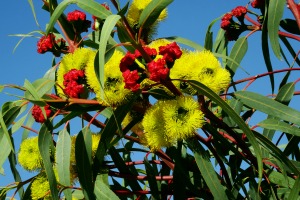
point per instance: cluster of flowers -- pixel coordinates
(168, 121)
(73, 83)
(158, 69)
(38, 115)
(232, 28)
(30, 159)
(78, 19)
(47, 43)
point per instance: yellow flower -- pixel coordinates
(200, 66)
(114, 91)
(154, 128)
(40, 188)
(29, 155)
(136, 8)
(182, 117)
(79, 59)
(95, 142)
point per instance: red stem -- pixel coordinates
(295, 10)
(262, 75)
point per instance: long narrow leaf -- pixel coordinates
(202, 89)
(275, 13)
(269, 106)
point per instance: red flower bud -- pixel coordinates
(158, 70)
(38, 114)
(171, 52)
(127, 61)
(73, 82)
(130, 79)
(239, 11)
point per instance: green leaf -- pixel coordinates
(290, 25)
(39, 88)
(33, 12)
(265, 49)
(281, 180)
(202, 89)
(275, 13)
(295, 190)
(57, 13)
(32, 94)
(276, 152)
(277, 125)
(108, 26)
(17, 125)
(102, 191)
(207, 170)
(151, 179)
(269, 106)
(209, 36)
(63, 152)
(6, 149)
(185, 41)
(84, 166)
(286, 93)
(13, 163)
(94, 8)
(160, 94)
(237, 53)
(150, 14)
(44, 142)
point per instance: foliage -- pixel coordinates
(156, 120)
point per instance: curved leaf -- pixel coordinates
(84, 166)
(150, 14)
(44, 142)
(207, 170)
(63, 152)
(269, 106)
(202, 89)
(275, 13)
(186, 42)
(108, 26)
(237, 53)
(277, 125)
(102, 191)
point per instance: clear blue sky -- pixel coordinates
(188, 19)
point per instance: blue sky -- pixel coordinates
(188, 19)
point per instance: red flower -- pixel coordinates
(150, 51)
(76, 15)
(225, 24)
(258, 3)
(227, 17)
(158, 70)
(78, 19)
(46, 43)
(73, 89)
(73, 82)
(130, 79)
(127, 61)
(105, 6)
(170, 52)
(239, 11)
(38, 114)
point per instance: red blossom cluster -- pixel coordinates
(78, 19)
(158, 69)
(258, 3)
(170, 52)
(38, 114)
(232, 28)
(239, 11)
(47, 43)
(73, 82)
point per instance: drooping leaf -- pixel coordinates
(84, 165)
(63, 152)
(102, 190)
(202, 89)
(44, 143)
(108, 26)
(277, 125)
(206, 168)
(269, 106)
(186, 42)
(4, 153)
(237, 53)
(275, 13)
